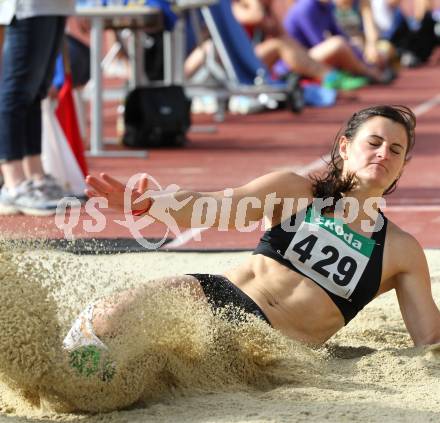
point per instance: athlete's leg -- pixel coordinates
(86, 339)
(108, 312)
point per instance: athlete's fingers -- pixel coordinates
(89, 179)
(98, 185)
(113, 182)
(90, 193)
(143, 184)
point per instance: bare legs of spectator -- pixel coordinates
(293, 54)
(197, 58)
(269, 51)
(337, 53)
(421, 7)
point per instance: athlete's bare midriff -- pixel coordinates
(294, 304)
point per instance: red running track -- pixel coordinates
(244, 147)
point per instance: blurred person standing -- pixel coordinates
(33, 38)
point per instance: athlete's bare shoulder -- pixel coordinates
(406, 250)
(294, 184)
(399, 235)
(284, 184)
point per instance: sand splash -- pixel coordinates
(178, 362)
(168, 344)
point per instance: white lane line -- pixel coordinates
(314, 166)
(427, 105)
(416, 208)
(184, 237)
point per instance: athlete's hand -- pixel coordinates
(114, 191)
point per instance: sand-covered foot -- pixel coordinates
(88, 355)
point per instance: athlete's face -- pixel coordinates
(376, 154)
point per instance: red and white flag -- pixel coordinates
(62, 148)
(68, 118)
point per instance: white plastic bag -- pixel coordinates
(57, 156)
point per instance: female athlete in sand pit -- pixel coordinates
(309, 281)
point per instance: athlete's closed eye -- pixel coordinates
(376, 141)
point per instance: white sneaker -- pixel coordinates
(51, 188)
(27, 199)
(81, 334)
(204, 104)
(7, 206)
(24, 199)
(88, 355)
(244, 105)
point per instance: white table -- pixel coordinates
(174, 56)
(98, 15)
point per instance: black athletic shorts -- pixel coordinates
(220, 291)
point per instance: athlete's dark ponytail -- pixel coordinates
(332, 183)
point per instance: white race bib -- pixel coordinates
(330, 253)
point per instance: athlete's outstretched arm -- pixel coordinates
(249, 200)
(419, 311)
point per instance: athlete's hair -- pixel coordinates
(332, 183)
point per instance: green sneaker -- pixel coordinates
(339, 80)
(88, 355)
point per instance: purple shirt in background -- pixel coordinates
(310, 22)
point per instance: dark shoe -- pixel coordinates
(409, 60)
(388, 76)
(295, 94)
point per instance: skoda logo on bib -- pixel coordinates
(330, 253)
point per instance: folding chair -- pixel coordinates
(232, 68)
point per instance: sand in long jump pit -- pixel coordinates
(168, 343)
(178, 362)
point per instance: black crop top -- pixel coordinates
(346, 264)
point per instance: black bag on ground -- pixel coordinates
(156, 117)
